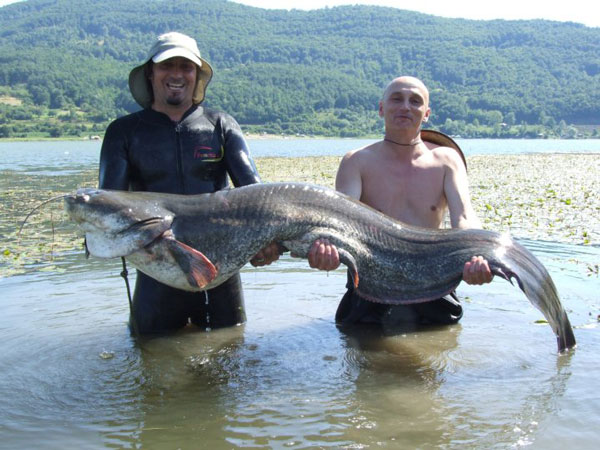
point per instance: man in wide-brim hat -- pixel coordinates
(171, 49)
(176, 145)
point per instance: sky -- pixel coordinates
(586, 12)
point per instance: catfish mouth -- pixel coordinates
(72, 201)
(82, 195)
(115, 229)
(92, 214)
(76, 206)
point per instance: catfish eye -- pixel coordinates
(82, 196)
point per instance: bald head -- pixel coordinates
(407, 82)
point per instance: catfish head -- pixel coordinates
(116, 224)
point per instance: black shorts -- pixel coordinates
(354, 309)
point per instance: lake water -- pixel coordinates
(76, 155)
(71, 376)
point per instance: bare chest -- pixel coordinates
(414, 194)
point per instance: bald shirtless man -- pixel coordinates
(415, 182)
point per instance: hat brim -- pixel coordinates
(140, 91)
(439, 138)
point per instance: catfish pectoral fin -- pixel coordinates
(199, 269)
(508, 275)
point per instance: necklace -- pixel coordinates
(403, 145)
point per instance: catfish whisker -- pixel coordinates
(36, 208)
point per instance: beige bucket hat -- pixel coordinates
(439, 138)
(170, 45)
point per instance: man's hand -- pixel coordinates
(477, 271)
(323, 255)
(266, 256)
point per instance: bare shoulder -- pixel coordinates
(351, 170)
(362, 151)
(359, 156)
(448, 157)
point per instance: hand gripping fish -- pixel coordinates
(195, 242)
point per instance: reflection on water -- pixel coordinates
(54, 157)
(73, 377)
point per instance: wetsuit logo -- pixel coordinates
(208, 154)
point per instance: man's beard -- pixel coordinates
(174, 101)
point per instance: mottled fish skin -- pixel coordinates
(196, 242)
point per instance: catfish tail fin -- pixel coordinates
(519, 264)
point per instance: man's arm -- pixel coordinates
(323, 255)
(462, 215)
(114, 163)
(240, 165)
(242, 171)
(348, 179)
(456, 190)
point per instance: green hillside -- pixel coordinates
(64, 66)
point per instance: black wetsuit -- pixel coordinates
(146, 151)
(353, 310)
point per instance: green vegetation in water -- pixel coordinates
(48, 234)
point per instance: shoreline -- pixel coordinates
(260, 136)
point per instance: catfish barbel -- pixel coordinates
(196, 242)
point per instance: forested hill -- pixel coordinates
(64, 66)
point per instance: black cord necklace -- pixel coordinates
(404, 145)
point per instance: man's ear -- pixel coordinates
(426, 116)
(380, 108)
